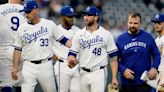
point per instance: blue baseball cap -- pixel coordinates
(29, 6)
(158, 18)
(67, 11)
(92, 10)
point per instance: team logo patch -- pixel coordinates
(88, 9)
(71, 9)
(157, 16)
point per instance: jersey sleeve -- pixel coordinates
(58, 35)
(111, 46)
(75, 46)
(17, 43)
(155, 53)
(161, 42)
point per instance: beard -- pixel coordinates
(133, 30)
(69, 24)
(89, 23)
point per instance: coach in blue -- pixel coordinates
(137, 52)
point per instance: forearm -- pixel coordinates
(114, 66)
(16, 58)
(68, 43)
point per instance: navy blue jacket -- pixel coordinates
(137, 52)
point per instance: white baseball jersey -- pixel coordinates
(93, 48)
(160, 43)
(36, 40)
(14, 18)
(60, 49)
(67, 78)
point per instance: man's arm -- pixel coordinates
(114, 67)
(156, 60)
(65, 41)
(68, 43)
(16, 60)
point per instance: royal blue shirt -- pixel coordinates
(137, 52)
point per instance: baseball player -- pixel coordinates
(93, 44)
(68, 79)
(34, 42)
(159, 28)
(10, 18)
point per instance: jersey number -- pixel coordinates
(15, 23)
(97, 51)
(44, 42)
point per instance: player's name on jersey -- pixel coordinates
(28, 38)
(10, 10)
(133, 44)
(89, 42)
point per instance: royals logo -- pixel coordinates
(28, 38)
(89, 42)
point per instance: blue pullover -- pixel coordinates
(137, 52)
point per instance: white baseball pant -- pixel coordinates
(68, 79)
(94, 81)
(6, 63)
(43, 73)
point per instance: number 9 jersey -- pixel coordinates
(13, 18)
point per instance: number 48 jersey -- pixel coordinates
(9, 13)
(93, 48)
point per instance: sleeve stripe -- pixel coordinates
(113, 54)
(73, 51)
(17, 48)
(64, 40)
(60, 38)
(72, 54)
(115, 50)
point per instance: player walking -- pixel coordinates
(34, 42)
(93, 44)
(159, 28)
(10, 18)
(68, 79)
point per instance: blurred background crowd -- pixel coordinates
(113, 12)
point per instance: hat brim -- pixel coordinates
(88, 13)
(25, 10)
(156, 21)
(70, 15)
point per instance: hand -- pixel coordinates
(160, 88)
(128, 74)
(114, 83)
(152, 73)
(72, 63)
(14, 73)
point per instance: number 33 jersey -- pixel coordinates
(36, 40)
(93, 48)
(10, 18)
